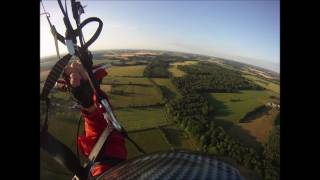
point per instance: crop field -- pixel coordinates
(234, 106)
(126, 80)
(178, 138)
(141, 118)
(136, 71)
(266, 84)
(176, 72)
(149, 140)
(134, 96)
(168, 84)
(261, 126)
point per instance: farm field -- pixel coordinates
(266, 84)
(127, 71)
(177, 72)
(261, 126)
(150, 141)
(234, 106)
(166, 82)
(134, 96)
(141, 118)
(178, 138)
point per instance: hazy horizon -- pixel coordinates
(244, 31)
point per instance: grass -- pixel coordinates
(135, 96)
(149, 140)
(261, 126)
(51, 170)
(175, 71)
(127, 70)
(106, 88)
(166, 82)
(141, 118)
(178, 138)
(266, 84)
(125, 80)
(247, 101)
(184, 63)
(63, 126)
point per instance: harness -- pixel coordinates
(85, 56)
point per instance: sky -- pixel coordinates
(246, 31)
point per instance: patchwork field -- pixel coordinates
(138, 104)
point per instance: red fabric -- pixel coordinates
(94, 124)
(100, 74)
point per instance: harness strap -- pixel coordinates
(97, 147)
(54, 75)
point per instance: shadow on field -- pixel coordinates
(238, 133)
(253, 115)
(174, 136)
(219, 108)
(167, 93)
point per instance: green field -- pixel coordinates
(126, 80)
(176, 72)
(51, 170)
(178, 138)
(134, 96)
(141, 118)
(234, 106)
(168, 84)
(127, 70)
(149, 140)
(266, 84)
(173, 69)
(63, 126)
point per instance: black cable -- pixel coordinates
(61, 7)
(65, 4)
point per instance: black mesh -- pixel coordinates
(173, 165)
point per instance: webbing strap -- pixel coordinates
(99, 144)
(54, 75)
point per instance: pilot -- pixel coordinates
(114, 150)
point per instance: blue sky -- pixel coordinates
(247, 31)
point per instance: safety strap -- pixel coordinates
(98, 146)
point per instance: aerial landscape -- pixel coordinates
(192, 90)
(173, 100)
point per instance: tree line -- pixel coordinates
(208, 77)
(157, 69)
(191, 112)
